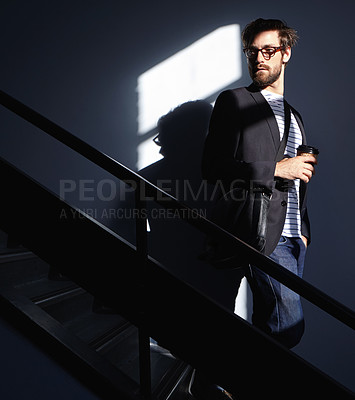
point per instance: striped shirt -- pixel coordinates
(292, 226)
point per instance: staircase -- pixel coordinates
(113, 316)
(32, 289)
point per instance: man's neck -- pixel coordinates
(277, 87)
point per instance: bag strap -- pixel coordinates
(281, 151)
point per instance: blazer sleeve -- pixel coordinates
(220, 159)
(305, 226)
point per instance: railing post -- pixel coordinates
(142, 250)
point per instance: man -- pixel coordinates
(246, 128)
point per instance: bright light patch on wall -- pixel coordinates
(241, 301)
(198, 71)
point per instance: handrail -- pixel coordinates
(295, 283)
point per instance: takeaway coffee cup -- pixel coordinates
(303, 150)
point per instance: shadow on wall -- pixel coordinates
(171, 241)
(181, 136)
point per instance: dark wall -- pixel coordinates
(78, 63)
(28, 373)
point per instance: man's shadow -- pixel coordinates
(181, 137)
(173, 242)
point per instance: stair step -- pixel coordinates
(20, 266)
(181, 389)
(43, 291)
(109, 336)
(175, 385)
(57, 295)
(8, 255)
(123, 353)
(70, 307)
(97, 330)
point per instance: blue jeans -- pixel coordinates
(277, 310)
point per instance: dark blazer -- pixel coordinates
(242, 144)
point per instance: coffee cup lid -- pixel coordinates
(303, 148)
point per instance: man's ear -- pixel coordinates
(286, 55)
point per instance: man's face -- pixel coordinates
(266, 72)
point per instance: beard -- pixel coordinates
(265, 77)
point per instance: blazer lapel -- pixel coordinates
(266, 113)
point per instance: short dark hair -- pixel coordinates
(288, 36)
